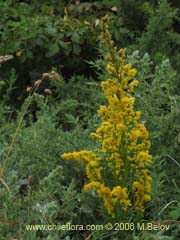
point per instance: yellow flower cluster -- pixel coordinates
(110, 197)
(118, 170)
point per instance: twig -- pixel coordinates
(10, 149)
(174, 160)
(5, 184)
(6, 58)
(167, 205)
(170, 221)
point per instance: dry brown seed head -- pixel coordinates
(28, 89)
(45, 75)
(48, 91)
(55, 76)
(37, 83)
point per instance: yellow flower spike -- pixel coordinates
(118, 169)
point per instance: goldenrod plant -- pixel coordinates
(119, 169)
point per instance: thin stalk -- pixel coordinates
(10, 149)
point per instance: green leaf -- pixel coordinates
(175, 214)
(2, 83)
(60, 35)
(53, 49)
(51, 31)
(63, 45)
(117, 35)
(75, 37)
(124, 30)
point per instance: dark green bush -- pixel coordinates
(161, 39)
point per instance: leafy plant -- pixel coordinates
(160, 39)
(123, 153)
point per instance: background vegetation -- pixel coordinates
(58, 41)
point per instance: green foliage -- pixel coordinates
(40, 40)
(78, 104)
(7, 86)
(54, 195)
(161, 39)
(42, 35)
(149, 235)
(134, 14)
